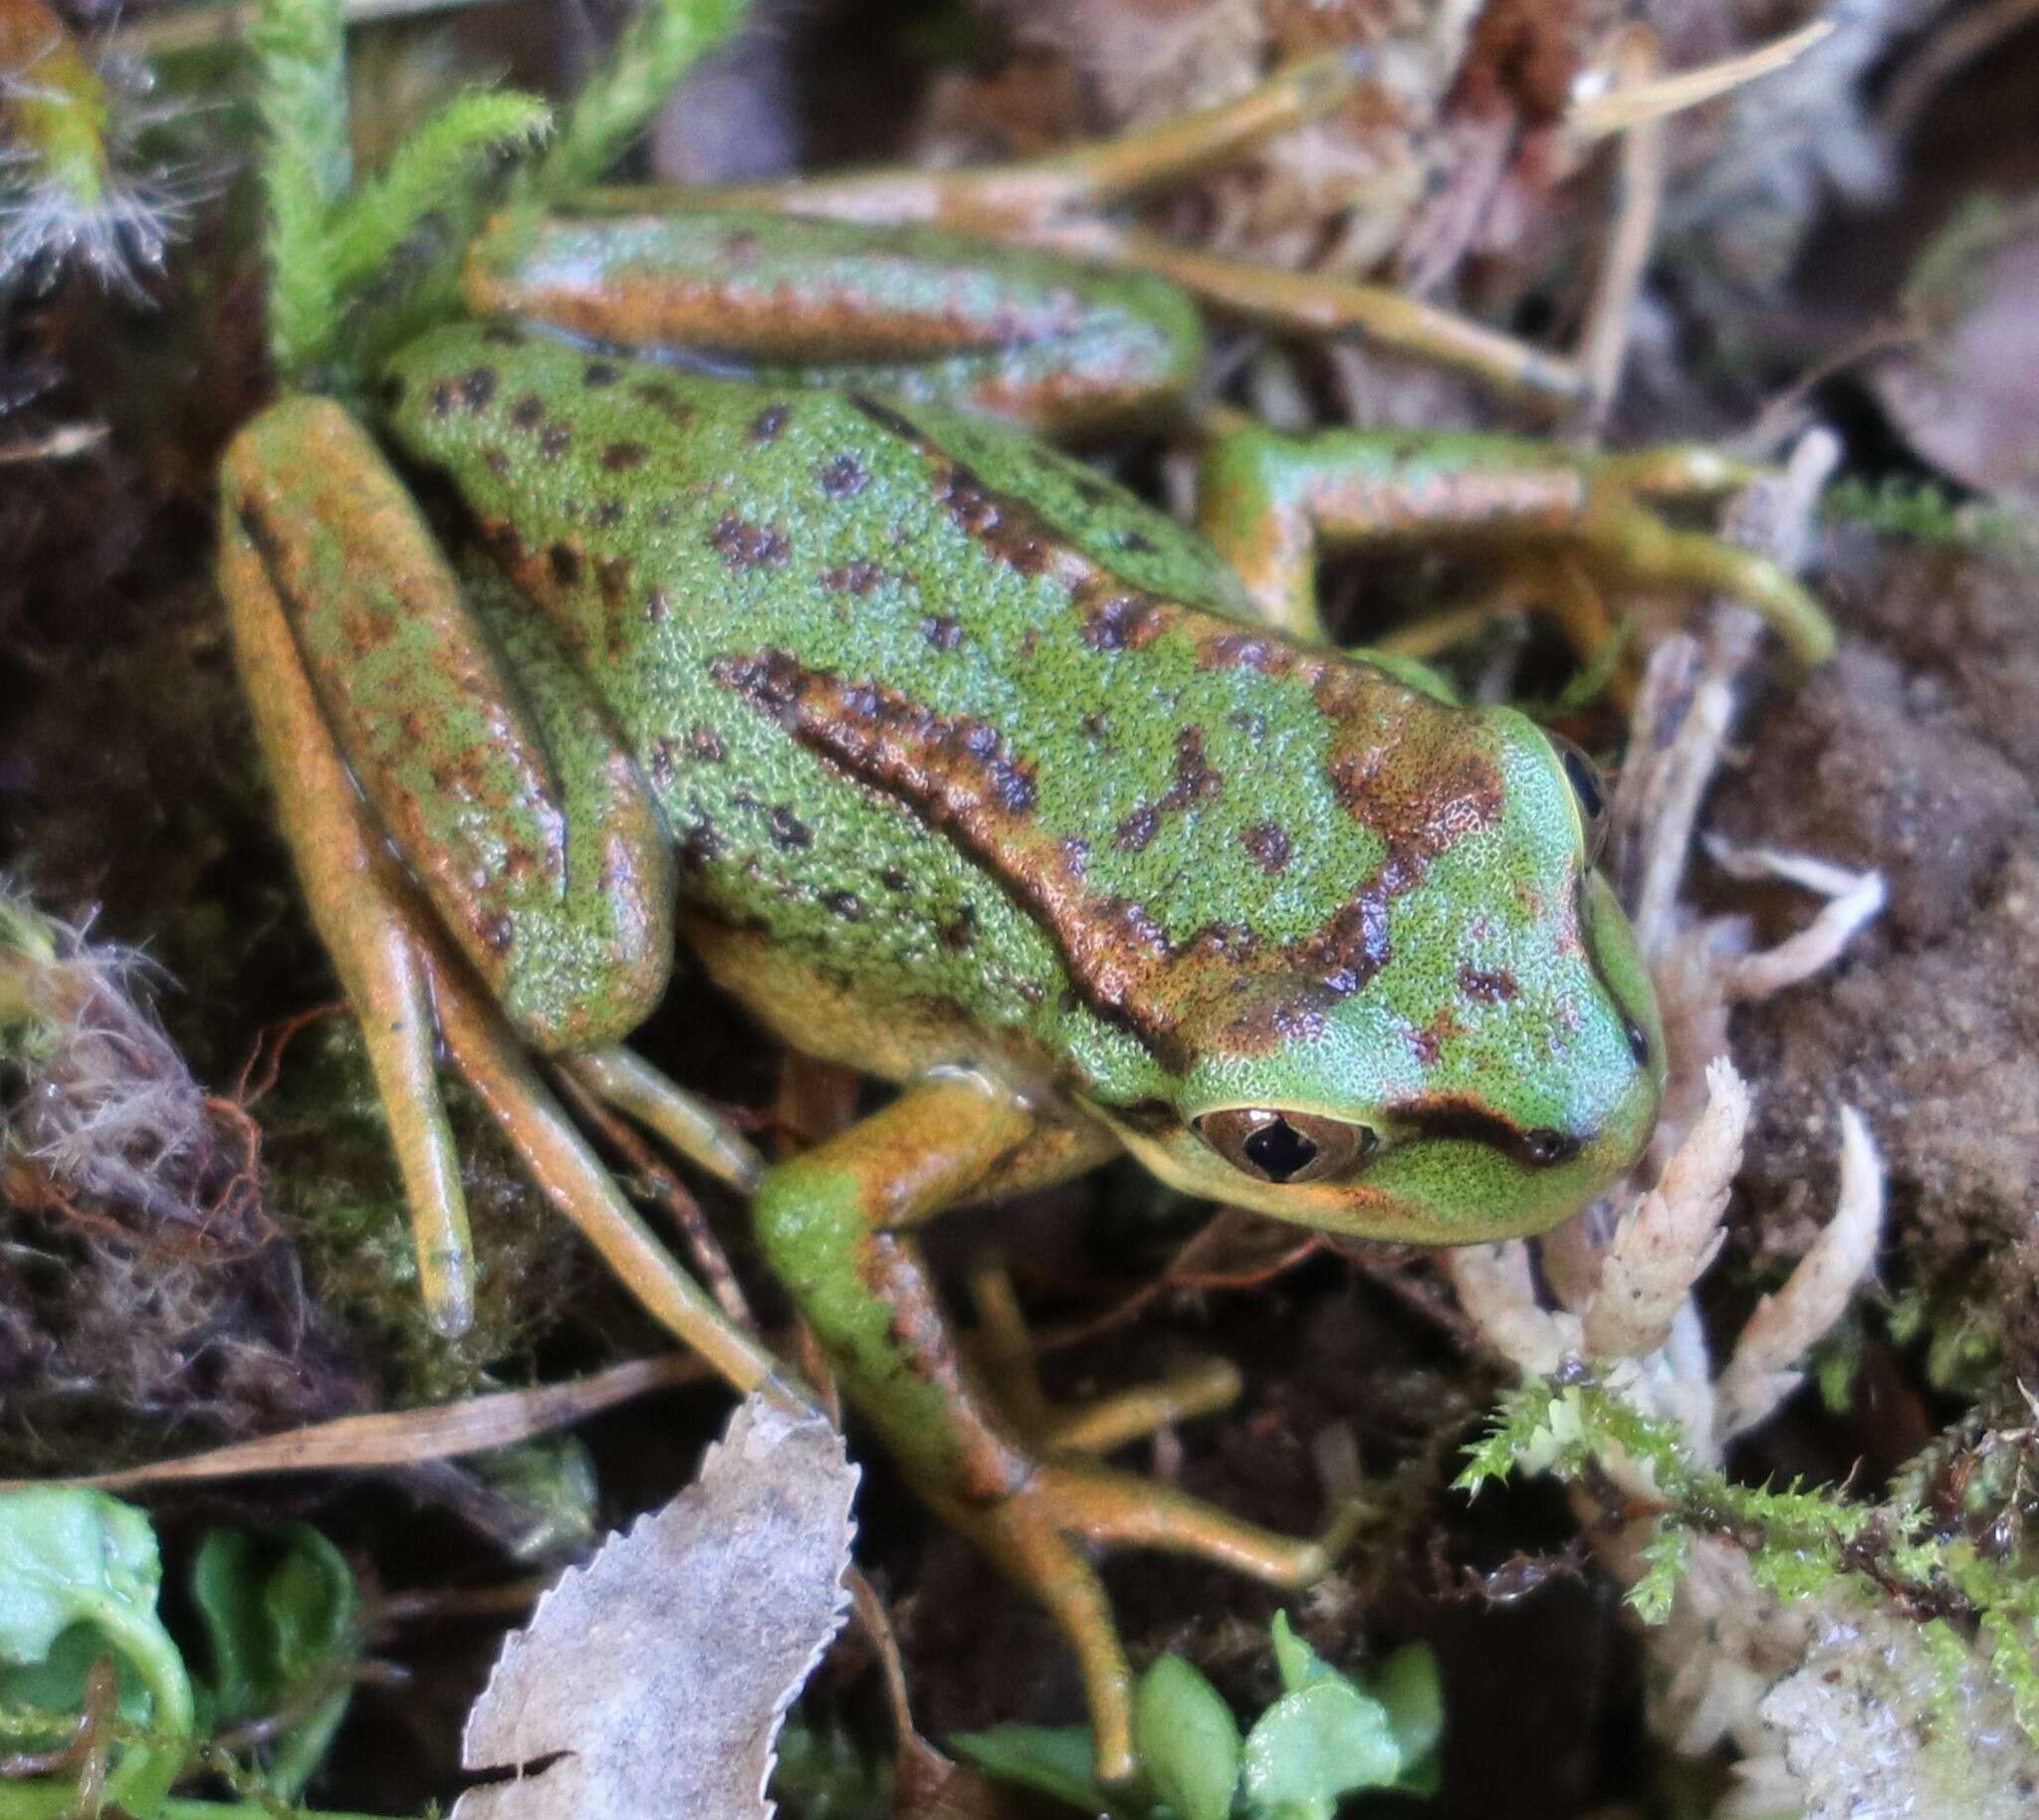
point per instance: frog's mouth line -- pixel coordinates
(1633, 1027)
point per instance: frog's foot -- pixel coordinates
(1043, 1535)
(1005, 1354)
(1274, 503)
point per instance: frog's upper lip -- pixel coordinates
(1634, 1022)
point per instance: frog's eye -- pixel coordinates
(1588, 791)
(1284, 1146)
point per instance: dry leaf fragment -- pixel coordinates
(654, 1681)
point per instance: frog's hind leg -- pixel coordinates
(484, 755)
(494, 1061)
(1273, 502)
(300, 569)
(356, 901)
(919, 316)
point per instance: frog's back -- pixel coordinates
(941, 713)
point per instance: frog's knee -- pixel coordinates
(571, 990)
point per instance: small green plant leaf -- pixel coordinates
(279, 1628)
(1054, 1759)
(1187, 1740)
(79, 1576)
(1299, 1665)
(1409, 1689)
(1313, 1745)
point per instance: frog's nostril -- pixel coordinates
(1638, 1040)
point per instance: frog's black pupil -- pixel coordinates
(1585, 785)
(1279, 1151)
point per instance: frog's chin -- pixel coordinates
(1427, 1192)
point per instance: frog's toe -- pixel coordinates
(1202, 1386)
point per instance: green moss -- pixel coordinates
(1970, 1579)
(333, 1184)
(1917, 512)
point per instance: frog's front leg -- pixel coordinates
(386, 714)
(836, 1224)
(1273, 502)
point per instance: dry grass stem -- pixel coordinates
(401, 1438)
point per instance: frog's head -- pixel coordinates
(1468, 1049)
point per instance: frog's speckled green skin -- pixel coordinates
(959, 732)
(945, 754)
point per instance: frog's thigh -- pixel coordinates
(481, 751)
(1273, 502)
(922, 314)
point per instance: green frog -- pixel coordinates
(733, 593)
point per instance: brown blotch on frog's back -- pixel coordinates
(1195, 780)
(528, 412)
(844, 477)
(1245, 650)
(597, 374)
(852, 578)
(661, 397)
(765, 428)
(1429, 1042)
(1124, 621)
(1269, 846)
(565, 563)
(746, 546)
(942, 632)
(624, 457)
(1489, 987)
(1137, 830)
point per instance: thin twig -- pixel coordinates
(1639, 191)
(397, 1438)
